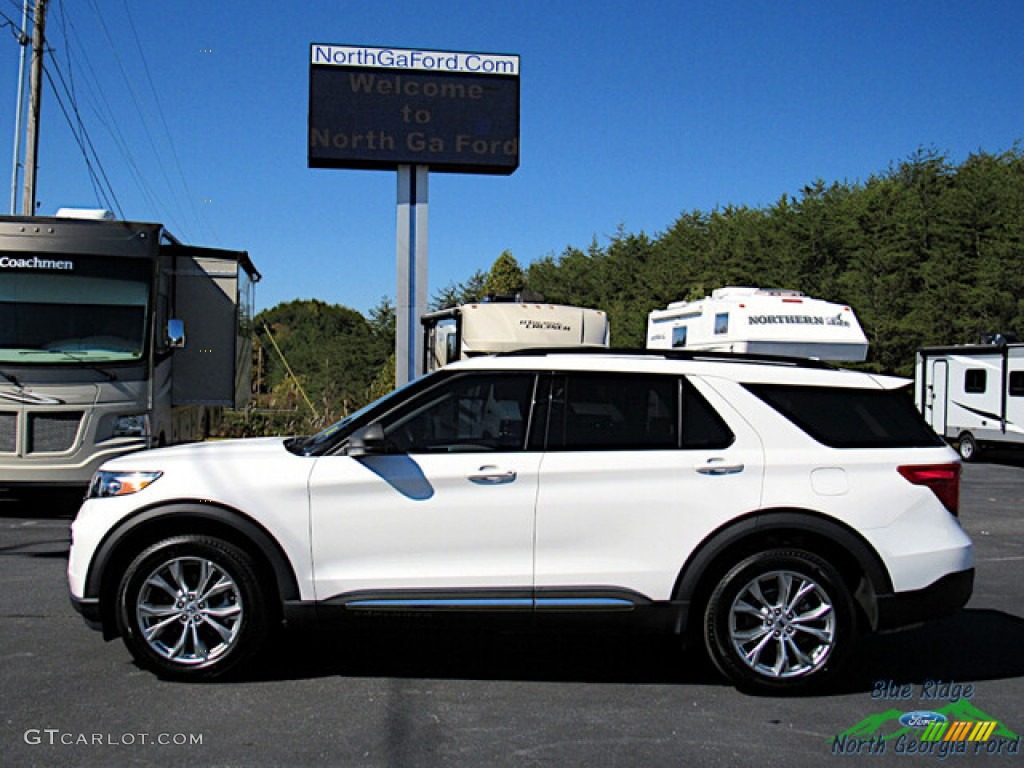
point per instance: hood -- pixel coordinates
(257, 475)
(212, 451)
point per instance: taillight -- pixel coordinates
(943, 479)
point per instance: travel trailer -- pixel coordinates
(114, 337)
(505, 324)
(973, 395)
(766, 321)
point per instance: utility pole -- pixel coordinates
(19, 117)
(35, 90)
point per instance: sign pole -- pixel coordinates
(411, 262)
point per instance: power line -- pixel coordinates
(94, 167)
(102, 187)
(16, 30)
(103, 112)
(67, 55)
(138, 106)
(19, 112)
(17, 6)
(61, 72)
(163, 119)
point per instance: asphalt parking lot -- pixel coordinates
(422, 698)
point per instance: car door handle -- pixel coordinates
(718, 467)
(491, 475)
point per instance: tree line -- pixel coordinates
(927, 252)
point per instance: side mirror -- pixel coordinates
(367, 441)
(176, 333)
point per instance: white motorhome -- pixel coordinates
(765, 321)
(973, 395)
(93, 354)
(508, 324)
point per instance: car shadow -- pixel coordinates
(972, 646)
(416, 652)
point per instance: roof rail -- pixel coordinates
(674, 354)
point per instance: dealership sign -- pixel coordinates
(381, 108)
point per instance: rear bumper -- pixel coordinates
(941, 598)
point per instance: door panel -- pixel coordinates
(386, 523)
(628, 519)
(449, 508)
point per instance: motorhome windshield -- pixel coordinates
(61, 310)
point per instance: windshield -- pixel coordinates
(91, 310)
(326, 437)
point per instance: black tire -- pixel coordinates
(780, 621)
(192, 608)
(968, 447)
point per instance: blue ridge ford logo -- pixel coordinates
(921, 719)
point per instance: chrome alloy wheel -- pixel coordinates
(783, 625)
(189, 610)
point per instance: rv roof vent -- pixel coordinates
(526, 297)
(737, 290)
(999, 339)
(95, 214)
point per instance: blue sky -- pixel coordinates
(631, 114)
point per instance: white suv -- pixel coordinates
(767, 507)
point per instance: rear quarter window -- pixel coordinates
(841, 417)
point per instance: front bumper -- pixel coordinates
(89, 609)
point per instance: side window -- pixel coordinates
(614, 412)
(1016, 383)
(702, 426)
(843, 417)
(469, 413)
(679, 337)
(721, 323)
(974, 380)
(451, 353)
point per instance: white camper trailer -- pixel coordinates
(505, 325)
(765, 321)
(973, 395)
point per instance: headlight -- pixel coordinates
(106, 484)
(135, 425)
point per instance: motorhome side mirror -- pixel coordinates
(176, 333)
(367, 441)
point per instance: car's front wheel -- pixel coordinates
(780, 621)
(191, 607)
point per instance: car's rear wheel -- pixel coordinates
(780, 621)
(191, 607)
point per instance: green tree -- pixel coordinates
(926, 252)
(334, 353)
(457, 294)
(506, 276)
